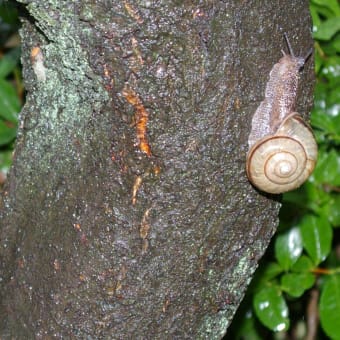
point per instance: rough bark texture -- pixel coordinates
(127, 213)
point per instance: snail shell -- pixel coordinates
(283, 161)
(282, 149)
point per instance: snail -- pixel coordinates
(282, 148)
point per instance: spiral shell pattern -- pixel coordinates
(283, 161)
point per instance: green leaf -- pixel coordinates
(266, 272)
(331, 68)
(330, 307)
(315, 17)
(295, 284)
(303, 264)
(332, 211)
(322, 121)
(328, 168)
(5, 160)
(288, 248)
(271, 270)
(247, 327)
(9, 102)
(7, 134)
(9, 13)
(332, 5)
(317, 237)
(308, 197)
(271, 309)
(9, 61)
(327, 29)
(336, 45)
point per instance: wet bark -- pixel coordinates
(127, 212)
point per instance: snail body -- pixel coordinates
(282, 149)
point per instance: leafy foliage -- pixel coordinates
(298, 282)
(11, 88)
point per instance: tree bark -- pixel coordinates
(127, 212)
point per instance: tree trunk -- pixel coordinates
(127, 213)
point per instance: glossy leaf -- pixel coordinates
(303, 264)
(331, 70)
(327, 29)
(332, 5)
(9, 102)
(315, 18)
(325, 115)
(271, 270)
(322, 12)
(9, 14)
(265, 273)
(331, 209)
(307, 198)
(323, 121)
(328, 169)
(316, 236)
(330, 307)
(247, 327)
(270, 307)
(288, 248)
(7, 133)
(9, 61)
(295, 284)
(5, 160)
